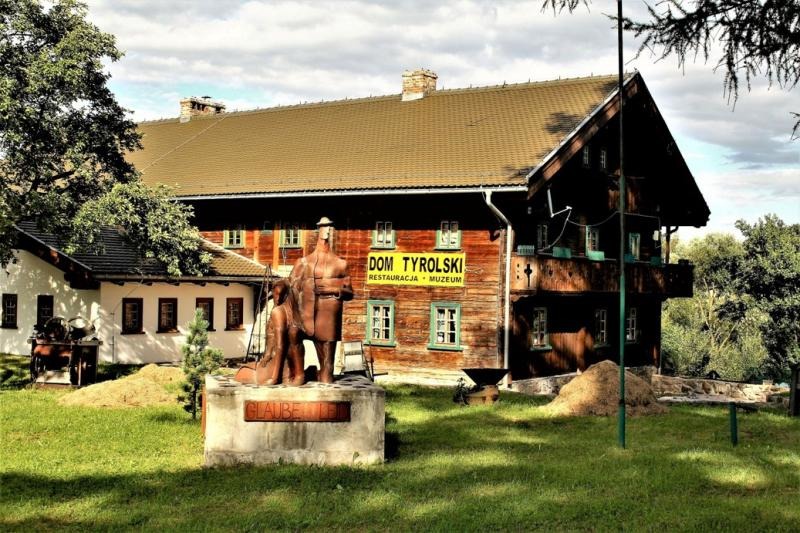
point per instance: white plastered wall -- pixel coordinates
(153, 347)
(30, 277)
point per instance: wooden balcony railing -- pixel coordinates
(531, 274)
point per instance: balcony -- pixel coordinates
(534, 274)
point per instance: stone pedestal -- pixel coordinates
(319, 424)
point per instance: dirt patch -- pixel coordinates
(146, 387)
(596, 392)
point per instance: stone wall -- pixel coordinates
(678, 386)
(662, 386)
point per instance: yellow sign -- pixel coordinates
(425, 269)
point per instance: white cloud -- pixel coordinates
(260, 54)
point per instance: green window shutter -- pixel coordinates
(445, 326)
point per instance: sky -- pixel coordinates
(256, 54)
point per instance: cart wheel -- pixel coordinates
(36, 367)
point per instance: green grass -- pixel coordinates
(507, 467)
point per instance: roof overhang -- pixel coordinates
(354, 192)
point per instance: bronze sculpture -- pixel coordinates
(312, 309)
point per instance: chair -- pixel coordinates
(354, 360)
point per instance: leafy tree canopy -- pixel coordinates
(757, 37)
(744, 318)
(155, 224)
(63, 136)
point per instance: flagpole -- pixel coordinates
(622, 194)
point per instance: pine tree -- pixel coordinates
(199, 358)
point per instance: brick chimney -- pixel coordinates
(200, 105)
(418, 83)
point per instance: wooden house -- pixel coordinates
(452, 209)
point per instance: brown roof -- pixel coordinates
(489, 136)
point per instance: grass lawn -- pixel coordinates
(507, 467)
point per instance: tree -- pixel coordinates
(63, 136)
(153, 222)
(719, 328)
(770, 274)
(758, 37)
(199, 358)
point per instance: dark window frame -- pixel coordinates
(9, 320)
(230, 326)
(138, 327)
(172, 326)
(210, 317)
(41, 318)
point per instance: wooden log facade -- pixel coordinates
(396, 174)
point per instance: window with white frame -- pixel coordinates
(445, 326)
(383, 235)
(586, 156)
(634, 245)
(449, 235)
(233, 238)
(632, 325)
(539, 336)
(380, 322)
(290, 235)
(541, 236)
(603, 159)
(600, 327)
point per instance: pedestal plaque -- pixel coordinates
(318, 423)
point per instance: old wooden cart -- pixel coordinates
(61, 353)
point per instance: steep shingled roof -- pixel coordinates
(489, 136)
(121, 260)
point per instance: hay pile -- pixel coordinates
(596, 392)
(146, 387)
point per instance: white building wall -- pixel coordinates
(153, 347)
(30, 277)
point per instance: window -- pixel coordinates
(592, 240)
(234, 308)
(380, 322)
(383, 236)
(539, 336)
(449, 236)
(600, 327)
(290, 235)
(541, 236)
(44, 309)
(132, 315)
(233, 238)
(634, 245)
(445, 326)
(206, 305)
(9, 311)
(586, 157)
(603, 159)
(631, 326)
(167, 315)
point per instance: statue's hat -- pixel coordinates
(324, 221)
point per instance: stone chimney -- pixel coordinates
(200, 105)
(417, 83)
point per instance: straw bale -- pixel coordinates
(596, 392)
(146, 387)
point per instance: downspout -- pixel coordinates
(507, 289)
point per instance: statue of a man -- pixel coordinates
(319, 282)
